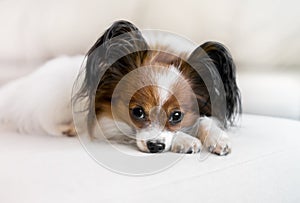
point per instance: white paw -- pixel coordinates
(184, 143)
(218, 143)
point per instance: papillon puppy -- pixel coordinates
(164, 100)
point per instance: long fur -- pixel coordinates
(213, 60)
(117, 52)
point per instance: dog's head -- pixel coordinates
(155, 93)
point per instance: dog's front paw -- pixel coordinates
(218, 144)
(184, 143)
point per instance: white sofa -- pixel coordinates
(264, 164)
(263, 167)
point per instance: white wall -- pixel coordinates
(259, 33)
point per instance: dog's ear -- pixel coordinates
(119, 49)
(213, 60)
(120, 39)
(122, 44)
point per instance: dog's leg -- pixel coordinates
(185, 143)
(68, 129)
(213, 137)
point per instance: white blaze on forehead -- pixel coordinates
(165, 80)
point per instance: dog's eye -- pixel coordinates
(138, 112)
(175, 117)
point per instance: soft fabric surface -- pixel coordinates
(263, 167)
(271, 93)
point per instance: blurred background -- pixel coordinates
(263, 37)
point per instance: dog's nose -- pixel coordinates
(155, 146)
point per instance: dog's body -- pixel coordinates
(41, 101)
(161, 102)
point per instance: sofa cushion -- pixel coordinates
(263, 167)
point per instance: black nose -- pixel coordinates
(155, 146)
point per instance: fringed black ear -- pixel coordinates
(215, 57)
(115, 53)
(118, 48)
(121, 39)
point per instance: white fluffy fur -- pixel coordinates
(113, 129)
(165, 81)
(41, 101)
(217, 136)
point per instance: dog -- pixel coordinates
(162, 99)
